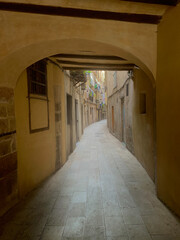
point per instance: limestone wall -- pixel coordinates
(131, 126)
(144, 123)
(75, 128)
(36, 151)
(123, 131)
(8, 151)
(168, 114)
(121, 77)
(59, 105)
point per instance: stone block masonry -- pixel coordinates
(57, 93)
(8, 152)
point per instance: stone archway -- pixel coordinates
(46, 35)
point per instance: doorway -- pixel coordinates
(77, 120)
(69, 125)
(113, 118)
(122, 120)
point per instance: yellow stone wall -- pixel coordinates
(139, 129)
(32, 37)
(168, 114)
(59, 81)
(36, 151)
(144, 124)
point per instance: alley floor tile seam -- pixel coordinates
(102, 192)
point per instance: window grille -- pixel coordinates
(37, 82)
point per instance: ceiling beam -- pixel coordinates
(91, 64)
(161, 2)
(80, 13)
(119, 68)
(98, 57)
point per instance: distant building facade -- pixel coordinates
(131, 114)
(94, 97)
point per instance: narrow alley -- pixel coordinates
(102, 192)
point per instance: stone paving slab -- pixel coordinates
(102, 192)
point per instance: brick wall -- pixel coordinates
(8, 154)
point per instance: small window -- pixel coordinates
(127, 90)
(115, 79)
(142, 103)
(37, 82)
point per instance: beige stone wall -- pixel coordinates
(32, 37)
(121, 78)
(139, 129)
(114, 95)
(168, 114)
(70, 128)
(90, 113)
(37, 154)
(60, 113)
(144, 124)
(73, 130)
(116, 100)
(36, 151)
(79, 99)
(8, 152)
(129, 105)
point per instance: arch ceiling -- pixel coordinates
(115, 35)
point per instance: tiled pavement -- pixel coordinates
(102, 192)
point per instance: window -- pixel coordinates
(115, 79)
(38, 97)
(142, 103)
(37, 82)
(127, 90)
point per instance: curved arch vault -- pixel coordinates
(30, 39)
